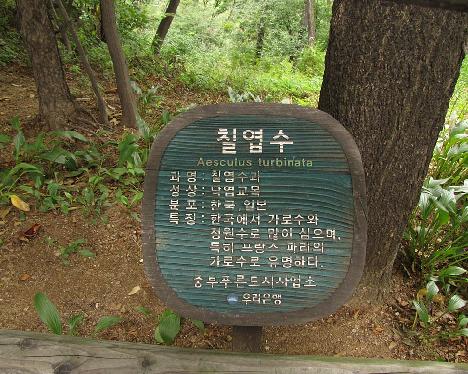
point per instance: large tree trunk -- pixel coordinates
(56, 105)
(127, 100)
(389, 75)
(309, 20)
(164, 25)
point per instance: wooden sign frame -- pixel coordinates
(358, 252)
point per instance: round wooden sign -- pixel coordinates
(254, 214)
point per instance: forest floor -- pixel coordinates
(103, 285)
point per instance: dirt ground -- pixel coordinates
(102, 285)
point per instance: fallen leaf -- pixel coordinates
(378, 329)
(24, 277)
(31, 233)
(18, 203)
(409, 342)
(134, 290)
(115, 307)
(392, 345)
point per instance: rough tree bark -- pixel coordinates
(56, 105)
(164, 25)
(127, 100)
(309, 20)
(389, 75)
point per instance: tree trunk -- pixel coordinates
(85, 63)
(56, 105)
(164, 25)
(260, 38)
(58, 28)
(389, 76)
(127, 100)
(309, 20)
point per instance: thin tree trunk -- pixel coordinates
(164, 25)
(56, 105)
(389, 76)
(260, 38)
(84, 61)
(127, 100)
(59, 28)
(309, 20)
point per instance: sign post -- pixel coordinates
(254, 215)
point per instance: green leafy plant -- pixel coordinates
(75, 247)
(236, 97)
(9, 179)
(48, 313)
(50, 316)
(431, 306)
(450, 159)
(436, 235)
(74, 322)
(106, 322)
(169, 326)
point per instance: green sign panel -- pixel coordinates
(254, 214)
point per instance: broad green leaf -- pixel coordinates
(425, 205)
(463, 332)
(127, 149)
(432, 183)
(443, 217)
(432, 290)
(5, 138)
(459, 128)
(18, 142)
(421, 309)
(48, 313)
(451, 271)
(106, 322)
(25, 167)
(70, 135)
(198, 324)
(462, 320)
(157, 336)
(15, 122)
(136, 198)
(455, 303)
(74, 322)
(143, 127)
(57, 155)
(169, 326)
(143, 310)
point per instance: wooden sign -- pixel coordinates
(254, 214)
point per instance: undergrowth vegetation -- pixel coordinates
(63, 170)
(436, 239)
